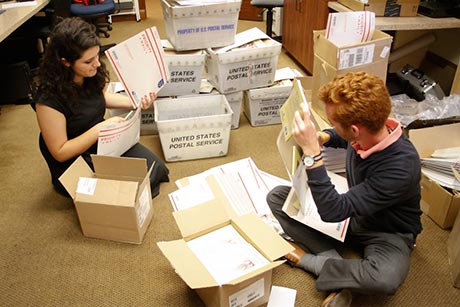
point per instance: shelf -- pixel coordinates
(419, 22)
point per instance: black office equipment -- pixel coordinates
(439, 8)
(16, 83)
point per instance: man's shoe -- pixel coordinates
(295, 256)
(338, 299)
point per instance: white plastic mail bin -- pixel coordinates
(235, 100)
(193, 127)
(186, 71)
(261, 105)
(243, 68)
(200, 26)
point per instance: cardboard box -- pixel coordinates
(453, 252)
(193, 127)
(186, 71)
(261, 105)
(440, 204)
(388, 8)
(115, 201)
(148, 125)
(250, 289)
(243, 68)
(200, 26)
(331, 61)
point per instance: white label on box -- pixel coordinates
(356, 56)
(144, 207)
(247, 295)
(86, 185)
(385, 52)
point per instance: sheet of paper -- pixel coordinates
(115, 139)
(282, 297)
(300, 200)
(292, 104)
(139, 64)
(350, 28)
(226, 254)
(243, 38)
(190, 195)
(13, 4)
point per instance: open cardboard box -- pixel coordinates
(251, 289)
(331, 61)
(115, 201)
(440, 204)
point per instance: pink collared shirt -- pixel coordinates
(395, 134)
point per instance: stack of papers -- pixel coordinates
(443, 167)
(240, 184)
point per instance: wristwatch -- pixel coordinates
(310, 160)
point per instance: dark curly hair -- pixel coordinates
(69, 39)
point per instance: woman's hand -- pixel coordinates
(147, 101)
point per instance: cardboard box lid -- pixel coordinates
(427, 140)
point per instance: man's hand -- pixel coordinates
(305, 133)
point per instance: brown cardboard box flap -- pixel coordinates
(71, 176)
(119, 167)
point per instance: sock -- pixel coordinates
(314, 263)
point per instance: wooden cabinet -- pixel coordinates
(250, 12)
(300, 18)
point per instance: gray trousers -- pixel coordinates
(385, 256)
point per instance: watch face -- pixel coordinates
(308, 161)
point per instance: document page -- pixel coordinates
(139, 64)
(115, 139)
(292, 104)
(226, 254)
(301, 206)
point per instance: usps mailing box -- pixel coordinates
(148, 125)
(193, 127)
(388, 8)
(331, 61)
(261, 105)
(236, 69)
(115, 201)
(200, 26)
(441, 204)
(235, 100)
(250, 288)
(186, 71)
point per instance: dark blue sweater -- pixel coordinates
(384, 188)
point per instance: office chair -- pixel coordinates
(94, 11)
(268, 5)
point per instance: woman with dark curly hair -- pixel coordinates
(72, 102)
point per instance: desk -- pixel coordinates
(12, 18)
(419, 22)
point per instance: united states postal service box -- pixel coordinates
(439, 203)
(186, 71)
(193, 127)
(148, 125)
(261, 105)
(249, 63)
(331, 61)
(115, 201)
(453, 252)
(249, 288)
(388, 8)
(235, 100)
(200, 26)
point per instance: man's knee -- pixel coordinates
(276, 197)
